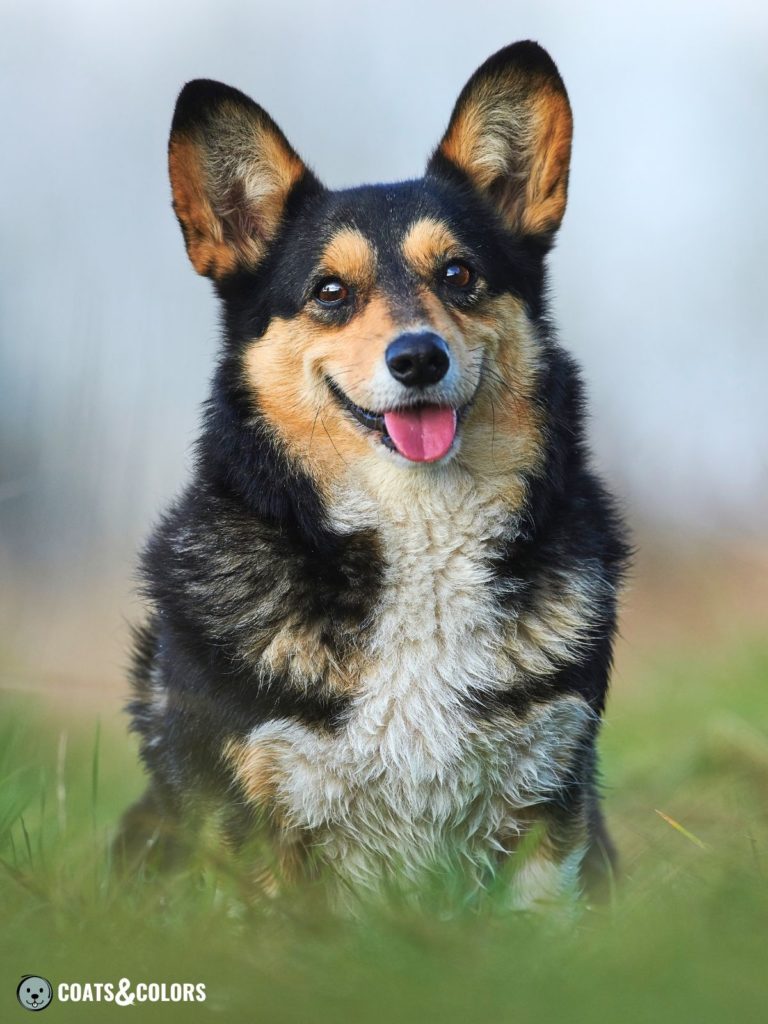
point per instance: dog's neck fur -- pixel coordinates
(411, 766)
(417, 505)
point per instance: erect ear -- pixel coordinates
(510, 134)
(232, 170)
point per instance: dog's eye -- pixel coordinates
(457, 275)
(331, 292)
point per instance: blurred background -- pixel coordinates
(107, 336)
(107, 340)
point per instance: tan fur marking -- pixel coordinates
(256, 769)
(271, 169)
(259, 773)
(504, 428)
(230, 182)
(427, 243)
(491, 122)
(558, 625)
(285, 368)
(299, 652)
(350, 256)
(547, 190)
(512, 135)
(208, 252)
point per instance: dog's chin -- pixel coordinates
(425, 433)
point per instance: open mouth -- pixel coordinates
(420, 433)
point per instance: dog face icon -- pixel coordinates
(34, 993)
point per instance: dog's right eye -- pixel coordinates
(331, 292)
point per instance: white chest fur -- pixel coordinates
(413, 776)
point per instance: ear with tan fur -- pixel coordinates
(510, 134)
(232, 171)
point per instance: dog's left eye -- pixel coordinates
(331, 292)
(457, 275)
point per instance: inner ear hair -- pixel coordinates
(232, 171)
(510, 135)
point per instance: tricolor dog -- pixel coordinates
(382, 611)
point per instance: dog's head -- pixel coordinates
(390, 322)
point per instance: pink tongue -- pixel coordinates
(424, 434)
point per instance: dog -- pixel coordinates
(383, 609)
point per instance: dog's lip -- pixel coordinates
(375, 420)
(372, 420)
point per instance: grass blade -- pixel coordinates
(95, 772)
(682, 830)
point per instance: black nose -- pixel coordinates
(417, 360)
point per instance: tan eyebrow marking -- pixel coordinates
(350, 256)
(427, 242)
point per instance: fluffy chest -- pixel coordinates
(414, 770)
(436, 637)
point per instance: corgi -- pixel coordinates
(383, 609)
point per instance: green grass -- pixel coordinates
(684, 939)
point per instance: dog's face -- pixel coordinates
(391, 323)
